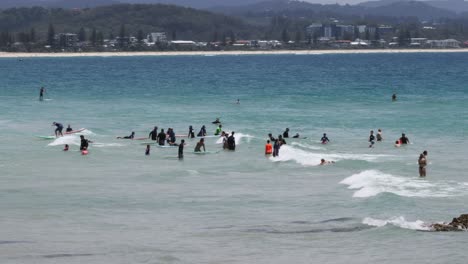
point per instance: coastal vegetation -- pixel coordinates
(37, 28)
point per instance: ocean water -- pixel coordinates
(117, 205)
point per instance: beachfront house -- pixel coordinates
(443, 43)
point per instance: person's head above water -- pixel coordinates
(324, 134)
(81, 136)
(403, 134)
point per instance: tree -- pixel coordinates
(285, 36)
(224, 41)
(367, 37)
(215, 36)
(298, 37)
(174, 35)
(140, 36)
(111, 35)
(51, 35)
(356, 33)
(232, 37)
(377, 34)
(32, 35)
(93, 37)
(100, 38)
(122, 31)
(82, 35)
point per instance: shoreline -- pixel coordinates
(222, 53)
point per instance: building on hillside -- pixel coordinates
(156, 37)
(443, 43)
(362, 29)
(67, 40)
(385, 30)
(315, 30)
(330, 31)
(344, 31)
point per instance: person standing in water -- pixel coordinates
(154, 133)
(84, 143)
(191, 133)
(268, 148)
(379, 135)
(181, 149)
(231, 141)
(324, 139)
(161, 138)
(394, 97)
(147, 151)
(199, 145)
(202, 132)
(69, 129)
(218, 130)
(41, 94)
(276, 148)
(286, 133)
(371, 139)
(58, 130)
(404, 140)
(422, 162)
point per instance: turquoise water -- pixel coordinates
(117, 205)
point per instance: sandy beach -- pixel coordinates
(215, 53)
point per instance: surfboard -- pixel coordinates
(75, 131)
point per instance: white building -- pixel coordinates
(444, 43)
(157, 37)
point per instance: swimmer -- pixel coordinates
(286, 133)
(191, 134)
(181, 149)
(161, 137)
(69, 129)
(216, 121)
(272, 139)
(324, 162)
(66, 147)
(379, 135)
(325, 139)
(128, 137)
(404, 140)
(84, 143)
(41, 94)
(218, 130)
(371, 139)
(422, 162)
(268, 148)
(202, 132)
(394, 97)
(58, 130)
(154, 133)
(296, 136)
(199, 145)
(276, 148)
(397, 144)
(231, 141)
(147, 151)
(238, 101)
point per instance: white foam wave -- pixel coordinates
(239, 138)
(398, 222)
(289, 153)
(68, 139)
(86, 132)
(372, 182)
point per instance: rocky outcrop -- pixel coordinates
(457, 224)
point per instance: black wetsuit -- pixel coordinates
(191, 134)
(231, 141)
(285, 134)
(404, 140)
(161, 138)
(59, 128)
(276, 148)
(181, 151)
(84, 144)
(153, 134)
(202, 132)
(69, 129)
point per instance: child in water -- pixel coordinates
(147, 151)
(66, 147)
(84, 151)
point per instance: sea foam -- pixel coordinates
(398, 222)
(373, 182)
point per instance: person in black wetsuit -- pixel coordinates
(161, 137)
(69, 129)
(281, 140)
(231, 141)
(191, 133)
(154, 133)
(404, 139)
(147, 151)
(41, 94)
(128, 137)
(58, 130)
(325, 139)
(84, 143)
(216, 121)
(286, 133)
(272, 139)
(276, 148)
(181, 149)
(202, 132)
(394, 97)
(371, 139)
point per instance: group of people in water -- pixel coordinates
(272, 146)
